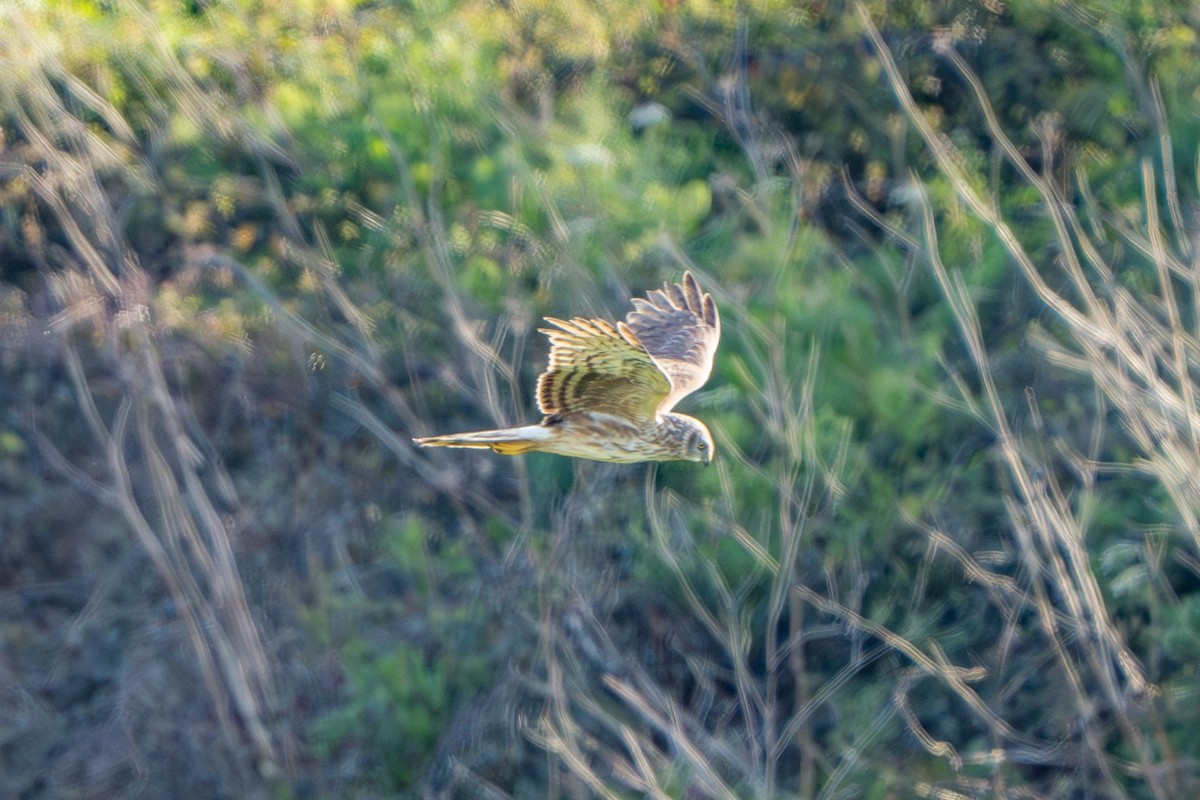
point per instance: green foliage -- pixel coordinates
(397, 702)
(399, 696)
(1181, 637)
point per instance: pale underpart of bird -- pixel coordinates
(609, 389)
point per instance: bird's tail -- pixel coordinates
(506, 441)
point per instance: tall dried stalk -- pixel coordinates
(1136, 348)
(1141, 358)
(653, 739)
(105, 332)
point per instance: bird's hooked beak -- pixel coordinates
(709, 452)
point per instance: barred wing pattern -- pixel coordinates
(598, 367)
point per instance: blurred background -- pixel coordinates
(950, 546)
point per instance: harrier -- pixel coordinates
(609, 389)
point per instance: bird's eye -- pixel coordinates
(702, 446)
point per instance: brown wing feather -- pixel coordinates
(597, 367)
(679, 327)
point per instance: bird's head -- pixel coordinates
(699, 443)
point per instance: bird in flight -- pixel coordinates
(609, 389)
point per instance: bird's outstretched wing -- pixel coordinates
(679, 328)
(598, 367)
(636, 369)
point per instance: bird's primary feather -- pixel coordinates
(679, 328)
